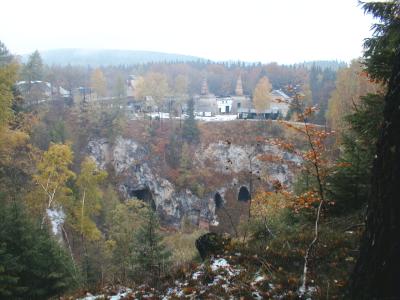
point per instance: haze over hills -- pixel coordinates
(105, 57)
(116, 57)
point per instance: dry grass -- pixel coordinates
(183, 247)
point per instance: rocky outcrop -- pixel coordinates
(138, 176)
(231, 159)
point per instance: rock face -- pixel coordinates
(138, 176)
(228, 159)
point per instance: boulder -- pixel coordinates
(211, 244)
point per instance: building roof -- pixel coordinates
(279, 93)
(224, 99)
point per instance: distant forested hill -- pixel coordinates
(323, 64)
(116, 57)
(108, 57)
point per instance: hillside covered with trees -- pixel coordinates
(97, 58)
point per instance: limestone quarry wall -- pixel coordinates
(230, 168)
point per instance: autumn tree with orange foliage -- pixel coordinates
(315, 163)
(98, 83)
(262, 95)
(352, 84)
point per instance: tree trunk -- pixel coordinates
(377, 272)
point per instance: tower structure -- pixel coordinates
(204, 87)
(239, 86)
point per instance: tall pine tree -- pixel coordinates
(33, 70)
(351, 182)
(149, 253)
(190, 131)
(377, 272)
(32, 264)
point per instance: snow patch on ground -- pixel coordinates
(217, 118)
(258, 279)
(219, 263)
(121, 295)
(256, 295)
(160, 115)
(91, 297)
(197, 274)
(222, 263)
(210, 280)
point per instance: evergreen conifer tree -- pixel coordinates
(377, 274)
(149, 253)
(190, 131)
(351, 183)
(34, 68)
(32, 264)
(5, 56)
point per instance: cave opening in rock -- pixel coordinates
(244, 194)
(219, 202)
(144, 195)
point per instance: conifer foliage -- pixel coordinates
(190, 131)
(350, 182)
(149, 254)
(377, 273)
(32, 264)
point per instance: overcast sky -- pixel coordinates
(285, 31)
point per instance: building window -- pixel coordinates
(238, 105)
